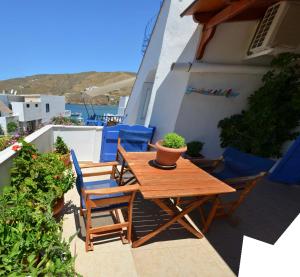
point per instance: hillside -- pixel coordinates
(100, 87)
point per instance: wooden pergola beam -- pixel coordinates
(227, 14)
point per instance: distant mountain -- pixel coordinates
(100, 87)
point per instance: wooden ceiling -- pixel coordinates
(211, 13)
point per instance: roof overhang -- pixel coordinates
(211, 13)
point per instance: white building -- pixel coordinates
(31, 111)
(205, 46)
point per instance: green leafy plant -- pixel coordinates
(11, 127)
(194, 148)
(61, 120)
(173, 140)
(273, 112)
(60, 146)
(31, 241)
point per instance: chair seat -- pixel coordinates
(102, 184)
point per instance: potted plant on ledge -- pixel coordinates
(170, 149)
(62, 149)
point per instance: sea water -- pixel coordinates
(89, 110)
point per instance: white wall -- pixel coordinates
(57, 106)
(85, 140)
(33, 112)
(179, 45)
(149, 63)
(200, 114)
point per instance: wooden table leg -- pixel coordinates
(181, 221)
(177, 217)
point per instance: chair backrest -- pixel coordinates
(110, 137)
(287, 170)
(134, 140)
(79, 178)
(244, 164)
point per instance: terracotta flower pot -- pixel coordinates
(58, 206)
(167, 156)
(66, 159)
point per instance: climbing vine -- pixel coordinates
(273, 112)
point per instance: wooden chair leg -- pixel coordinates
(80, 210)
(211, 215)
(88, 243)
(129, 229)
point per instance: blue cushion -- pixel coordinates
(99, 185)
(238, 164)
(226, 174)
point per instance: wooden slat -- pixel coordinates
(186, 180)
(108, 228)
(205, 6)
(109, 201)
(92, 165)
(100, 173)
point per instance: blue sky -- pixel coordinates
(67, 36)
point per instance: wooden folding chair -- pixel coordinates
(109, 199)
(103, 195)
(221, 208)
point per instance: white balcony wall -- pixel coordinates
(85, 140)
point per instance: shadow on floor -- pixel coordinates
(264, 215)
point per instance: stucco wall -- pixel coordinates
(56, 104)
(27, 113)
(200, 114)
(149, 63)
(85, 140)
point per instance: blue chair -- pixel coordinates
(131, 139)
(110, 135)
(287, 171)
(240, 170)
(103, 195)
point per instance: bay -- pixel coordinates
(89, 110)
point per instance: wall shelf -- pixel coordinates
(228, 93)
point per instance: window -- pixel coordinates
(27, 105)
(47, 108)
(36, 105)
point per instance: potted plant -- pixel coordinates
(62, 149)
(193, 149)
(170, 149)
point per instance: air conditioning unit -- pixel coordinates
(278, 31)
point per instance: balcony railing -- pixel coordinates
(85, 140)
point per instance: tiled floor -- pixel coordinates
(173, 253)
(265, 215)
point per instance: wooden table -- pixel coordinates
(186, 180)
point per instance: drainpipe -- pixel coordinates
(219, 68)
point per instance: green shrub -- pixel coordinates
(60, 146)
(173, 140)
(273, 112)
(61, 120)
(31, 241)
(11, 127)
(194, 148)
(1, 131)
